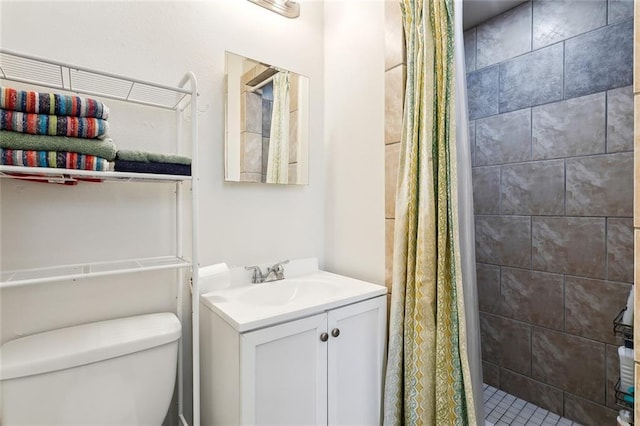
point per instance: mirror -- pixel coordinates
(267, 123)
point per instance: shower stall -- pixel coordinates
(550, 106)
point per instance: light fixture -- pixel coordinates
(288, 8)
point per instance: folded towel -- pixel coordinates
(51, 103)
(151, 157)
(104, 148)
(54, 125)
(157, 168)
(54, 159)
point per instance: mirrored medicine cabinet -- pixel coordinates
(267, 123)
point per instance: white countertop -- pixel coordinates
(251, 306)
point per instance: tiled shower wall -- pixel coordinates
(551, 110)
(395, 70)
(256, 112)
(252, 138)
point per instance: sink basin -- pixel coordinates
(286, 291)
(247, 307)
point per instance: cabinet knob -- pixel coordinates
(335, 332)
(324, 337)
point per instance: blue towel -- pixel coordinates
(156, 168)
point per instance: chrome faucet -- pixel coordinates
(277, 270)
(274, 273)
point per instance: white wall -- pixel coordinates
(338, 217)
(233, 124)
(159, 41)
(239, 223)
(354, 138)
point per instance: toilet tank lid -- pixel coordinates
(86, 343)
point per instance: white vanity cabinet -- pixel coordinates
(283, 374)
(356, 363)
(324, 369)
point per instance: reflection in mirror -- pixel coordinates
(267, 123)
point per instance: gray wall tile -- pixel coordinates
(620, 249)
(586, 412)
(612, 374)
(504, 240)
(265, 154)
(555, 21)
(504, 138)
(482, 92)
(488, 282)
(267, 112)
(533, 297)
(619, 10)
(569, 128)
(601, 185)
(506, 343)
(470, 50)
(253, 112)
(530, 390)
(505, 36)
(472, 141)
(251, 154)
(599, 60)
(490, 374)
(589, 66)
(591, 305)
(569, 245)
(535, 188)
(568, 362)
(532, 79)
(620, 119)
(486, 189)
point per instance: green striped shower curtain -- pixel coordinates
(278, 159)
(428, 380)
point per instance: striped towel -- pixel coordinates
(51, 103)
(53, 125)
(54, 159)
(104, 148)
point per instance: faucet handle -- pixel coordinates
(279, 264)
(257, 274)
(279, 269)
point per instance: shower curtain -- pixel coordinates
(429, 379)
(466, 219)
(278, 160)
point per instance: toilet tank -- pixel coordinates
(117, 372)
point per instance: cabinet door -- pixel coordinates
(283, 374)
(356, 361)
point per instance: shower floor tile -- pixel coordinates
(503, 409)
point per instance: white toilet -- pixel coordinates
(118, 372)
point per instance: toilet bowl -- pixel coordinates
(117, 372)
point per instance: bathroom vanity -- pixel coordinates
(307, 350)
